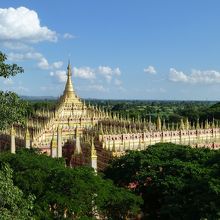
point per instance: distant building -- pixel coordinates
(87, 135)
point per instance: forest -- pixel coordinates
(36, 186)
(174, 181)
(165, 181)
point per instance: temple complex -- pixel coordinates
(87, 135)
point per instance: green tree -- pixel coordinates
(13, 205)
(175, 182)
(74, 192)
(7, 70)
(12, 108)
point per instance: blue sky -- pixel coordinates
(123, 49)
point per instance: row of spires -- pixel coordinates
(118, 127)
(112, 126)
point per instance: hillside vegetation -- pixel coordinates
(175, 181)
(42, 187)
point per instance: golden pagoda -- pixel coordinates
(86, 135)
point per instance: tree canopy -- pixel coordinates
(13, 204)
(170, 111)
(7, 70)
(72, 192)
(12, 108)
(175, 182)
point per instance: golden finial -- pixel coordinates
(213, 122)
(114, 129)
(77, 131)
(69, 91)
(134, 129)
(182, 126)
(193, 125)
(114, 147)
(125, 129)
(53, 142)
(145, 128)
(164, 125)
(197, 124)
(27, 134)
(111, 130)
(177, 126)
(158, 123)
(12, 130)
(187, 124)
(93, 150)
(133, 120)
(101, 129)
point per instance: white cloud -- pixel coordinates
(97, 87)
(91, 73)
(16, 46)
(92, 87)
(109, 72)
(24, 56)
(196, 76)
(121, 89)
(42, 62)
(96, 76)
(117, 71)
(155, 90)
(68, 36)
(57, 64)
(84, 72)
(150, 70)
(50, 89)
(118, 82)
(59, 75)
(106, 70)
(47, 88)
(8, 82)
(162, 90)
(44, 65)
(23, 24)
(177, 76)
(20, 89)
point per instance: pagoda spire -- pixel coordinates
(93, 156)
(158, 123)
(69, 91)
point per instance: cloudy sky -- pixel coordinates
(127, 49)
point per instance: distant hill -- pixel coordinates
(40, 98)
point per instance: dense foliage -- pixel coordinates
(13, 204)
(7, 70)
(72, 192)
(171, 111)
(176, 182)
(12, 108)
(40, 105)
